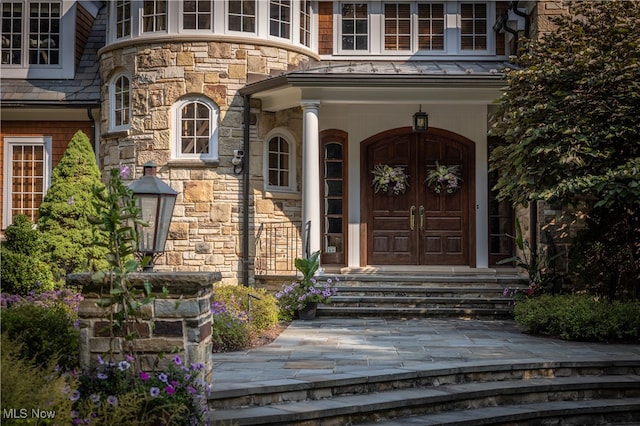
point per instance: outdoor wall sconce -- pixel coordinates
(420, 121)
(156, 200)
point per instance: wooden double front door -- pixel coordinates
(419, 226)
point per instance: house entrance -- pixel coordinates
(419, 226)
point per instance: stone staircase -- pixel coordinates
(422, 296)
(479, 393)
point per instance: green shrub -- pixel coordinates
(26, 385)
(64, 213)
(234, 324)
(22, 268)
(580, 317)
(43, 332)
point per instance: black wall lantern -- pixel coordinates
(156, 200)
(420, 121)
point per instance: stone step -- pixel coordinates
(328, 311)
(414, 301)
(577, 412)
(367, 407)
(430, 290)
(231, 395)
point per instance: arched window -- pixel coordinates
(195, 129)
(120, 101)
(279, 164)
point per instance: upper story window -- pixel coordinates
(123, 18)
(280, 161)
(434, 28)
(242, 15)
(305, 23)
(197, 14)
(280, 18)
(196, 127)
(27, 172)
(38, 39)
(120, 100)
(473, 31)
(154, 16)
(355, 26)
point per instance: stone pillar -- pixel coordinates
(311, 212)
(178, 324)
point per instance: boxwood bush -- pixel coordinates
(580, 317)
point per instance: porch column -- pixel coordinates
(310, 176)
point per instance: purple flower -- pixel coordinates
(125, 171)
(75, 395)
(170, 390)
(129, 358)
(191, 389)
(163, 377)
(95, 397)
(102, 376)
(71, 199)
(144, 375)
(154, 391)
(100, 360)
(123, 365)
(113, 400)
(177, 360)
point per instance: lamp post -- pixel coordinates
(156, 200)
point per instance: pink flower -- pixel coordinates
(170, 390)
(144, 375)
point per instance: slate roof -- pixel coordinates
(82, 90)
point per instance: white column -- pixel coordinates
(311, 212)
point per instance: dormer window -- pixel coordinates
(38, 39)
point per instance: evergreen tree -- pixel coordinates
(63, 215)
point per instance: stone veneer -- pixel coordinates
(205, 233)
(178, 324)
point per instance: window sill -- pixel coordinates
(194, 163)
(282, 195)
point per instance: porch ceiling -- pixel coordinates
(384, 82)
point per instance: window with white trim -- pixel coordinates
(354, 28)
(280, 18)
(280, 155)
(154, 16)
(120, 99)
(413, 27)
(242, 16)
(473, 22)
(123, 18)
(196, 129)
(27, 174)
(37, 39)
(305, 23)
(197, 14)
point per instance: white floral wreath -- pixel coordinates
(389, 179)
(444, 178)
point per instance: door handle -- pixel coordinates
(412, 218)
(421, 218)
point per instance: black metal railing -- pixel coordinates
(277, 247)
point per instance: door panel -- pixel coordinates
(438, 233)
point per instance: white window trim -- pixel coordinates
(140, 12)
(289, 36)
(66, 67)
(112, 103)
(451, 35)
(9, 143)
(176, 120)
(287, 135)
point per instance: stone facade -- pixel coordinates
(205, 233)
(178, 324)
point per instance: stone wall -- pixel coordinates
(206, 232)
(178, 324)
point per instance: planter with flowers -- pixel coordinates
(389, 179)
(301, 298)
(443, 178)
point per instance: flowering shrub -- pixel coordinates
(172, 397)
(44, 324)
(444, 178)
(389, 179)
(230, 330)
